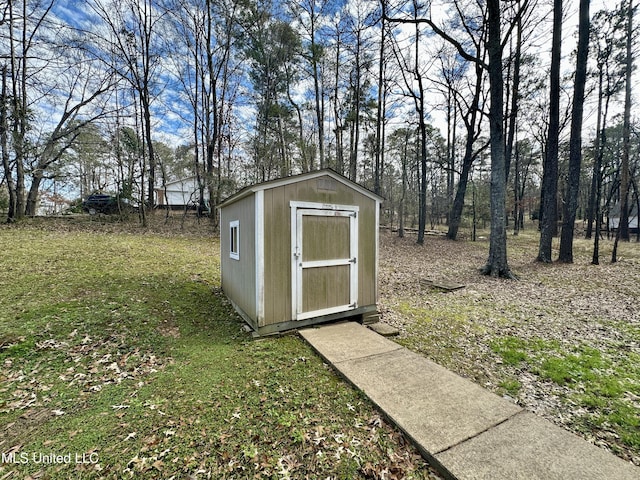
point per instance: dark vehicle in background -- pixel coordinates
(100, 203)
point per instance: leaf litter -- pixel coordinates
(93, 364)
(559, 317)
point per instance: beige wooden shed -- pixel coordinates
(300, 250)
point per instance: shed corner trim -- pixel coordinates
(259, 254)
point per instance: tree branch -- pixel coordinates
(441, 33)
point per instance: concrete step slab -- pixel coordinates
(346, 341)
(384, 329)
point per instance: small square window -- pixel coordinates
(234, 240)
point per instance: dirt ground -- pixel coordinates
(562, 308)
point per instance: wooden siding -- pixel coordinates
(277, 237)
(325, 287)
(239, 276)
(325, 238)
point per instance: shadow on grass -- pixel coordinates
(132, 358)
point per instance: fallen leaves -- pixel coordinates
(564, 305)
(94, 363)
(228, 408)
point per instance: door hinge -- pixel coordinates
(353, 305)
(353, 260)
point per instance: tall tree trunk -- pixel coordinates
(455, 215)
(548, 205)
(19, 105)
(422, 221)
(601, 139)
(336, 110)
(623, 225)
(422, 128)
(211, 115)
(451, 150)
(401, 212)
(31, 208)
(575, 140)
(516, 194)
(497, 265)
(379, 114)
(319, 100)
(146, 105)
(146, 35)
(305, 159)
(4, 145)
(515, 100)
(591, 210)
(355, 138)
(597, 174)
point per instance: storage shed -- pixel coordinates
(300, 250)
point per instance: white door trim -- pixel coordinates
(298, 211)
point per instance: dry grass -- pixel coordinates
(563, 341)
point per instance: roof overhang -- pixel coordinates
(250, 190)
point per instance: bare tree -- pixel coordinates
(53, 96)
(381, 109)
(203, 39)
(513, 94)
(610, 79)
(335, 98)
(497, 262)
(575, 141)
(4, 146)
(497, 265)
(23, 25)
(310, 15)
(473, 25)
(415, 79)
(623, 224)
(132, 44)
(359, 45)
(548, 212)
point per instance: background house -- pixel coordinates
(180, 194)
(614, 218)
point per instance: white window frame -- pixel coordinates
(234, 225)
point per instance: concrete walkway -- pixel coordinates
(462, 429)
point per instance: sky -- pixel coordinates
(78, 13)
(172, 106)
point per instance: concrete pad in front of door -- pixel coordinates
(346, 341)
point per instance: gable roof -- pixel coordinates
(298, 178)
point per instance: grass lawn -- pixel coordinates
(122, 359)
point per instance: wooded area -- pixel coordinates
(458, 113)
